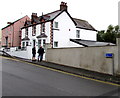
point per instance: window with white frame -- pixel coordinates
(77, 33)
(23, 44)
(33, 30)
(39, 42)
(56, 24)
(43, 27)
(44, 41)
(26, 31)
(55, 44)
(26, 43)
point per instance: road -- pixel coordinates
(24, 79)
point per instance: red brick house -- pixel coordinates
(11, 34)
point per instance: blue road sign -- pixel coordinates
(109, 55)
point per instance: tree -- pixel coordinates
(109, 35)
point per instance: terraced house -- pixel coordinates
(11, 34)
(56, 29)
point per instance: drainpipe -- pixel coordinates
(113, 65)
(118, 52)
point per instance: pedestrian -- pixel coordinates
(33, 53)
(40, 53)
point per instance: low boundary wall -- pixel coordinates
(26, 54)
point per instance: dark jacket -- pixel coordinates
(40, 50)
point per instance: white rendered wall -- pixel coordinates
(47, 31)
(22, 54)
(23, 33)
(67, 30)
(88, 34)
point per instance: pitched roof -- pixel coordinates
(51, 16)
(27, 22)
(43, 35)
(83, 24)
(13, 22)
(87, 43)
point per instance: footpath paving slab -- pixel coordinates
(79, 71)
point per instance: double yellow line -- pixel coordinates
(110, 83)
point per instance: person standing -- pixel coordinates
(33, 53)
(40, 53)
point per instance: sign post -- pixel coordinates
(111, 55)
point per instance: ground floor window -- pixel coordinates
(23, 44)
(26, 43)
(39, 42)
(55, 44)
(44, 41)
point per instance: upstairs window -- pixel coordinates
(26, 31)
(56, 24)
(34, 30)
(43, 27)
(77, 33)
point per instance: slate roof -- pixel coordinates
(13, 22)
(43, 35)
(87, 43)
(83, 24)
(51, 16)
(27, 23)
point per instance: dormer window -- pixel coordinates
(33, 30)
(56, 24)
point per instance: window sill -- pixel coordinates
(56, 29)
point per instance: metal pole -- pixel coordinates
(113, 65)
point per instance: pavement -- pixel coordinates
(77, 71)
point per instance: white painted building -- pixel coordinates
(56, 29)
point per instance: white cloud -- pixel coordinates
(99, 13)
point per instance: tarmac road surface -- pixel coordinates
(24, 79)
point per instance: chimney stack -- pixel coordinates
(63, 6)
(33, 16)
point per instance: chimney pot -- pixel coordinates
(34, 14)
(63, 6)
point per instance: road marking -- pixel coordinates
(56, 70)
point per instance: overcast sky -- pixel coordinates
(99, 13)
